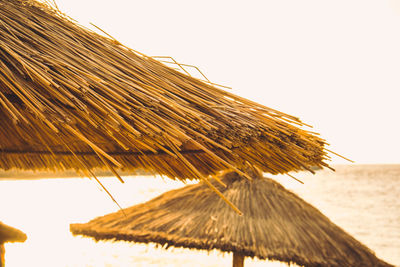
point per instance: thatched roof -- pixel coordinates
(276, 224)
(10, 234)
(72, 99)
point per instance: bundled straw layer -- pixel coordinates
(276, 225)
(72, 99)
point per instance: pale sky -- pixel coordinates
(334, 64)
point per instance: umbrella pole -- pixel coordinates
(238, 260)
(2, 253)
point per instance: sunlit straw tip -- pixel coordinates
(219, 181)
(330, 151)
(291, 176)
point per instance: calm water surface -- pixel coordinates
(362, 199)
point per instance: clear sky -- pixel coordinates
(334, 64)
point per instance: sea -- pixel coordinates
(362, 199)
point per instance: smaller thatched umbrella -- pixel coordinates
(276, 225)
(9, 234)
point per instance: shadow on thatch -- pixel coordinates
(276, 225)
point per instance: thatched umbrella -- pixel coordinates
(9, 234)
(73, 99)
(276, 225)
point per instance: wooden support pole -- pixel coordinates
(238, 260)
(2, 253)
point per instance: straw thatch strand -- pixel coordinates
(276, 225)
(10, 234)
(73, 99)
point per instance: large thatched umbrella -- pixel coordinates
(276, 225)
(9, 234)
(72, 99)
